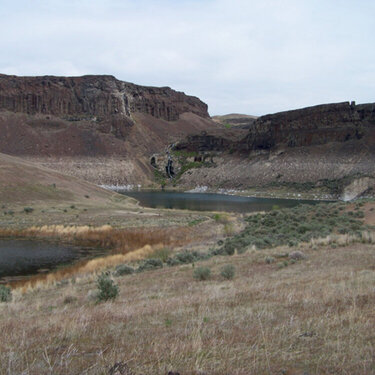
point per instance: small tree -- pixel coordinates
(107, 288)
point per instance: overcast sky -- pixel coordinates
(243, 56)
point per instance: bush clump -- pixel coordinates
(123, 269)
(5, 294)
(107, 288)
(202, 273)
(186, 257)
(28, 210)
(228, 271)
(150, 264)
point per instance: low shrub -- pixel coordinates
(228, 271)
(5, 294)
(107, 288)
(202, 273)
(123, 269)
(186, 257)
(150, 264)
(28, 210)
(269, 260)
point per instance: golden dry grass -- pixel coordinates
(315, 317)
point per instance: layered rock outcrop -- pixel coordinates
(93, 115)
(311, 126)
(96, 96)
(339, 122)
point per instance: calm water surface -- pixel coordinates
(27, 257)
(210, 202)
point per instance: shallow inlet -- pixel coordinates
(210, 202)
(22, 258)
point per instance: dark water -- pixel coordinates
(28, 257)
(210, 202)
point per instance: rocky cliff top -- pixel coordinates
(321, 124)
(317, 125)
(93, 95)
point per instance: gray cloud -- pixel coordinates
(252, 57)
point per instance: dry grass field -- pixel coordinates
(315, 316)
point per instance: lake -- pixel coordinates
(210, 202)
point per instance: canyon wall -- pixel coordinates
(311, 126)
(92, 115)
(93, 96)
(339, 122)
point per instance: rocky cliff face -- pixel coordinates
(92, 115)
(318, 125)
(93, 96)
(310, 126)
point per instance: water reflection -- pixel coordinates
(26, 257)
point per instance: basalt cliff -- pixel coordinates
(328, 148)
(96, 127)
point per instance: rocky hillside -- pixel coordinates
(68, 122)
(326, 148)
(22, 182)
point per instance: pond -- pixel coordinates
(20, 258)
(210, 202)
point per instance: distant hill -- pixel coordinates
(236, 120)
